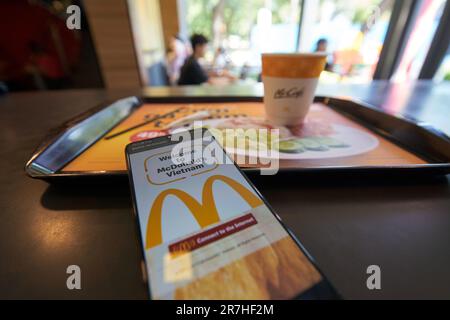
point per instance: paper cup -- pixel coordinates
(290, 82)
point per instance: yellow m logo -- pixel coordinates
(205, 213)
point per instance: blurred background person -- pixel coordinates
(221, 60)
(177, 54)
(192, 72)
(322, 47)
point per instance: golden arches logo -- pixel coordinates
(205, 213)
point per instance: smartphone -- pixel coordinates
(206, 232)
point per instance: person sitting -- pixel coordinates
(192, 73)
(175, 58)
(322, 47)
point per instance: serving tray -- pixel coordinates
(339, 136)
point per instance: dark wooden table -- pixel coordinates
(402, 225)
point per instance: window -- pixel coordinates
(355, 31)
(242, 30)
(443, 73)
(419, 40)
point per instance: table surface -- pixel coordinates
(402, 225)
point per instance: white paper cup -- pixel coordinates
(290, 82)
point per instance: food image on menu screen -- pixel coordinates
(207, 234)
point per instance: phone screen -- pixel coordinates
(207, 233)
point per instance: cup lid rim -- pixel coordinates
(296, 54)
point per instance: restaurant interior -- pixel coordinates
(353, 201)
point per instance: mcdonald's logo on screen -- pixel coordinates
(205, 213)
